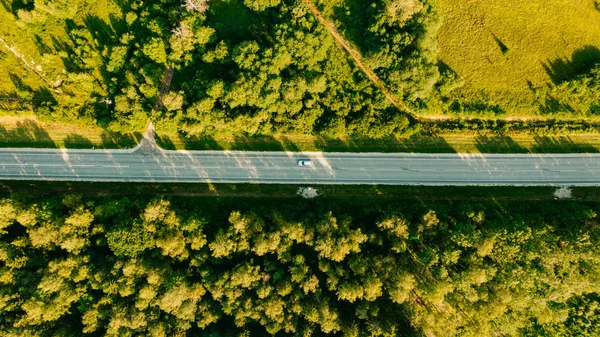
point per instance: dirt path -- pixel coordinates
(165, 85)
(355, 54)
(357, 57)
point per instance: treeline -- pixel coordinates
(75, 266)
(578, 96)
(397, 40)
(574, 97)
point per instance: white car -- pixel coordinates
(305, 162)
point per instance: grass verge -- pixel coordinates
(458, 142)
(29, 132)
(268, 191)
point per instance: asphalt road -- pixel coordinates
(148, 164)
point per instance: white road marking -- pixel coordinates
(150, 164)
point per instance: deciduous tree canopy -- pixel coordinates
(180, 267)
(240, 66)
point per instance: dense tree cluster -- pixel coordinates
(101, 63)
(276, 69)
(117, 267)
(240, 66)
(398, 40)
(579, 96)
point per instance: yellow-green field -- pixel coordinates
(457, 142)
(28, 131)
(503, 47)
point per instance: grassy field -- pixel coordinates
(457, 142)
(503, 48)
(29, 132)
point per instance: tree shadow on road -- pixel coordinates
(562, 144)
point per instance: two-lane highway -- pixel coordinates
(156, 165)
(148, 163)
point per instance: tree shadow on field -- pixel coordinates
(498, 144)
(11, 101)
(26, 133)
(353, 16)
(560, 145)
(235, 21)
(119, 25)
(416, 143)
(75, 141)
(71, 61)
(43, 97)
(102, 33)
(552, 105)
(581, 62)
(115, 140)
(6, 5)
(288, 144)
(299, 143)
(165, 142)
(188, 143)
(503, 48)
(16, 5)
(42, 47)
(446, 68)
(261, 143)
(95, 38)
(38, 98)
(481, 107)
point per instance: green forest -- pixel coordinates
(246, 67)
(177, 266)
(239, 67)
(363, 264)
